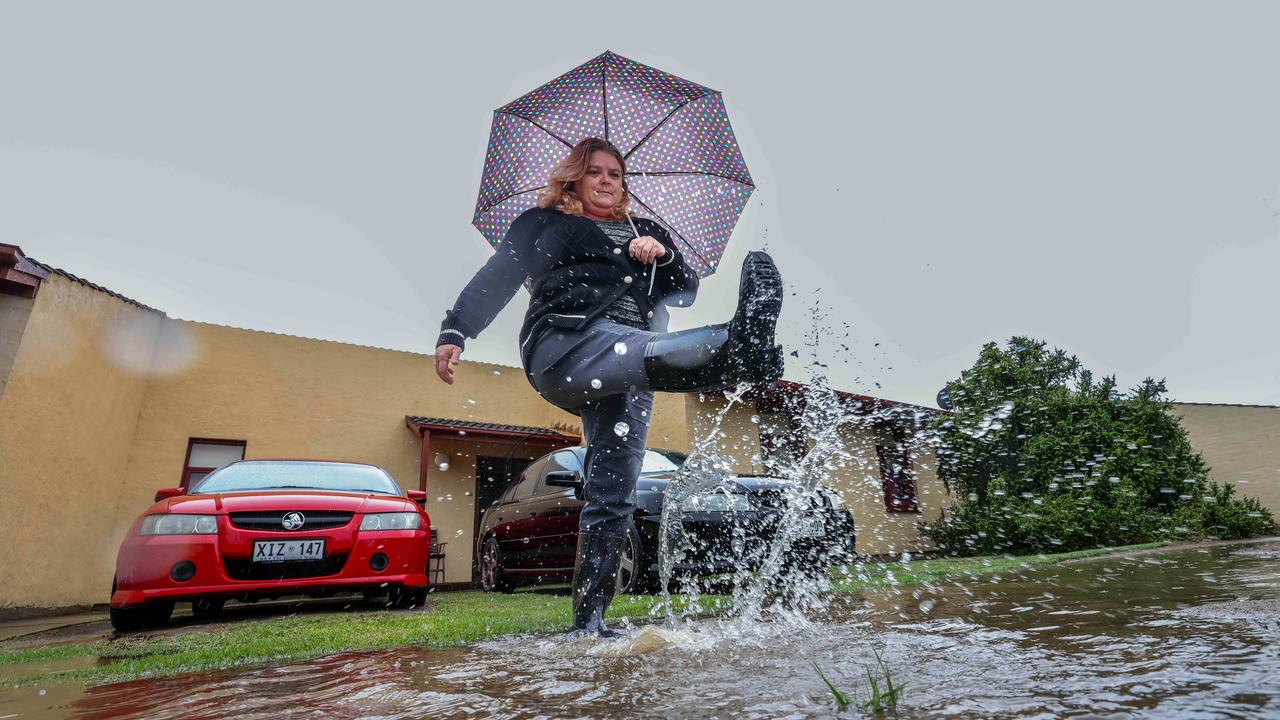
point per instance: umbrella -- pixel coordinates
(684, 168)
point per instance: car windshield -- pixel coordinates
(657, 463)
(288, 475)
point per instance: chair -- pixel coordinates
(435, 559)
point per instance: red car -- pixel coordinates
(264, 528)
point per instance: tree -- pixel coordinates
(1042, 457)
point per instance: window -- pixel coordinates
(528, 481)
(897, 478)
(205, 456)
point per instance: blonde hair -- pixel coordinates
(560, 193)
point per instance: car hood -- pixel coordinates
(658, 483)
(219, 503)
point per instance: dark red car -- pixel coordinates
(266, 528)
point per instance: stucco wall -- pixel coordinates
(1241, 444)
(738, 439)
(67, 419)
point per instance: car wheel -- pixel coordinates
(633, 572)
(140, 617)
(207, 608)
(492, 577)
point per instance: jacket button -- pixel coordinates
(617, 251)
(649, 314)
(627, 279)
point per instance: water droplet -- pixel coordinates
(595, 383)
(525, 541)
(621, 429)
(620, 348)
(755, 419)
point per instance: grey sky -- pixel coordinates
(1104, 176)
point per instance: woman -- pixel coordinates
(588, 343)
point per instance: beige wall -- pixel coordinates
(1241, 444)
(67, 420)
(738, 438)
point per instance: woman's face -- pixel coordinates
(601, 187)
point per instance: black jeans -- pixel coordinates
(598, 373)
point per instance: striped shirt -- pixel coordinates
(624, 310)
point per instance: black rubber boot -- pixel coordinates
(719, 356)
(593, 580)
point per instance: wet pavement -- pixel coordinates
(1189, 633)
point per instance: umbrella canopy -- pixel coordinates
(684, 168)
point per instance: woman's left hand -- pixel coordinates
(646, 249)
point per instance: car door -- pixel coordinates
(556, 513)
(514, 524)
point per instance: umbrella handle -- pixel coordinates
(653, 271)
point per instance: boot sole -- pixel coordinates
(755, 322)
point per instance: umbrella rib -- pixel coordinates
(535, 124)
(654, 129)
(665, 173)
(604, 95)
(507, 197)
(687, 244)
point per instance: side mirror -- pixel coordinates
(418, 496)
(166, 493)
(566, 478)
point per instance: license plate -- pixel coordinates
(812, 527)
(284, 550)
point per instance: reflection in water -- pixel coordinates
(1191, 633)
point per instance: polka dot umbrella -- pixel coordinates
(684, 168)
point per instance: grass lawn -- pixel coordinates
(450, 619)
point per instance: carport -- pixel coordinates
(501, 453)
(509, 436)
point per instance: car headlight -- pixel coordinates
(179, 525)
(391, 521)
(837, 500)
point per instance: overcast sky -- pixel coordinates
(1103, 176)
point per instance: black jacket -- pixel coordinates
(575, 271)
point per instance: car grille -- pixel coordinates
(271, 520)
(247, 570)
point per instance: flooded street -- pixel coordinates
(1192, 633)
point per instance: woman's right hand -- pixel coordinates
(446, 357)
